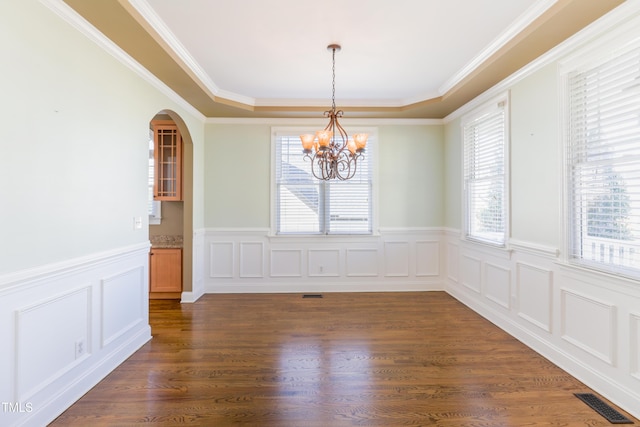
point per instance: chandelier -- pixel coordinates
(332, 153)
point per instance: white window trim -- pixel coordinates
(616, 41)
(469, 117)
(373, 150)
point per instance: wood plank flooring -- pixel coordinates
(365, 359)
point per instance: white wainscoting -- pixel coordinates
(250, 260)
(65, 327)
(586, 322)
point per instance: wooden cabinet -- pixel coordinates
(167, 161)
(165, 273)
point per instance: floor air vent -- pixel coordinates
(613, 416)
(312, 296)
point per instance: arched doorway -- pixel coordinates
(175, 229)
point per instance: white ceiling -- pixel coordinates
(273, 52)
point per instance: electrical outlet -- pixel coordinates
(137, 223)
(81, 347)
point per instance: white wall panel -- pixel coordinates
(634, 339)
(46, 337)
(589, 324)
(67, 325)
(286, 263)
(534, 294)
(396, 259)
(427, 258)
(497, 286)
(453, 262)
(471, 272)
(221, 259)
(362, 262)
(324, 262)
(251, 259)
(123, 300)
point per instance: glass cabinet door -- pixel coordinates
(167, 161)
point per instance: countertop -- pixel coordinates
(165, 241)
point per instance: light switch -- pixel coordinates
(137, 223)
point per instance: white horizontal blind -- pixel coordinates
(484, 175)
(604, 164)
(306, 205)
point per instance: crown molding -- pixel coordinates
(321, 121)
(533, 13)
(64, 11)
(623, 13)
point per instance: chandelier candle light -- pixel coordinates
(332, 153)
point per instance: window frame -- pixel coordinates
(500, 101)
(372, 153)
(593, 56)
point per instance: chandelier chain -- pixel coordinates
(333, 93)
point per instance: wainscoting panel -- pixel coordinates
(453, 261)
(286, 263)
(584, 321)
(428, 258)
(124, 299)
(589, 325)
(221, 259)
(46, 350)
(634, 340)
(362, 263)
(394, 260)
(534, 292)
(497, 286)
(67, 325)
(324, 263)
(251, 259)
(471, 272)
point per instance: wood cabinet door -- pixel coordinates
(165, 270)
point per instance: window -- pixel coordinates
(603, 147)
(153, 206)
(485, 176)
(306, 205)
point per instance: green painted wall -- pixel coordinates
(238, 175)
(75, 142)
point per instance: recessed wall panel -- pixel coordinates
(221, 259)
(427, 258)
(324, 262)
(251, 259)
(122, 304)
(534, 294)
(286, 263)
(453, 262)
(635, 345)
(396, 259)
(470, 272)
(589, 324)
(498, 284)
(362, 262)
(47, 334)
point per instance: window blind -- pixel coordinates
(306, 205)
(604, 164)
(484, 175)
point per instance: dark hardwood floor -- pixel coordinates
(365, 359)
